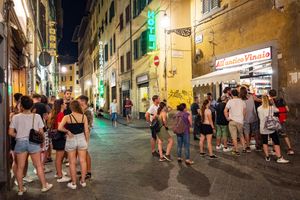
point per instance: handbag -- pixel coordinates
(272, 123)
(155, 125)
(35, 136)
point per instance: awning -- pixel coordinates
(220, 76)
(225, 75)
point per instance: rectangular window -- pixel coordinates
(77, 82)
(106, 53)
(128, 60)
(122, 64)
(114, 42)
(128, 14)
(70, 68)
(209, 5)
(77, 72)
(62, 79)
(102, 2)
(111, 11)
(71, 88)
(121, 22)
(136, 49)
(111, 46)
(106, 15)
(71, 78)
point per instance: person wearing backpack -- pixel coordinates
(181, 128)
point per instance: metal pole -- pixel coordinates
(165, 66)
(8, 6)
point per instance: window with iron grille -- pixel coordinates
(121, 22)
(209, 5)
(122, 64)
(128, 60)
(128, 14)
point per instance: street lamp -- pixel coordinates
(63, 69)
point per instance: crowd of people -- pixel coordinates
(39, 125)
(240, 121)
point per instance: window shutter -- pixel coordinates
(122, 64)
(144, 40)
(128, 60)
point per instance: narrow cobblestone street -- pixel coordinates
(123, 168)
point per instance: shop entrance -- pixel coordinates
(125, 94)
(143, 99)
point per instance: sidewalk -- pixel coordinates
(135, 123)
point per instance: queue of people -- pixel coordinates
(238, 119)
(37, 127)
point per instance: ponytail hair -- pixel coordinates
(203, 107)
(161, 107)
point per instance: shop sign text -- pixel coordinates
(246, 58)
(151, 31)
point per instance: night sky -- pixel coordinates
(73, 11)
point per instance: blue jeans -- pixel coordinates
(183, 139)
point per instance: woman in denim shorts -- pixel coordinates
(20, 127)
(76, 128)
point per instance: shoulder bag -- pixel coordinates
(35, 136)
(272, 123)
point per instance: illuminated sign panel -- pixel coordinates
(151, 31)
(101, 70)
(52, 38)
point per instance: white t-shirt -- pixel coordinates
(113, 108)
(152, 110)
(236, 110)
(262, 114)
(22, 123)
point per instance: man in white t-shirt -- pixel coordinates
(235, 112)
(150, 114)
(113, 111)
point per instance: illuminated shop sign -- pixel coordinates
(151, 31)
(52, 38)
(101, 70)
(246, 58)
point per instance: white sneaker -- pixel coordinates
(67, 164)
(72, 186)
(27, 179)
(228, 149)
(16, 182)
(34, 171)
(282, 160)
(47, 188)
(63, 179)
(63, 173)
(218, 147)
(82, 184)
(20, 193)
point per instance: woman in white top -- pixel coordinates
(20, 127)
(207, 129)
(263, 112)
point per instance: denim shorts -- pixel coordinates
(114, 116)
(77, 142)
(23, 145)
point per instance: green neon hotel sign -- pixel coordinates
(151, 31)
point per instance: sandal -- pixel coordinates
(189, 162)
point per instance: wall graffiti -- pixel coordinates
(176, 97)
